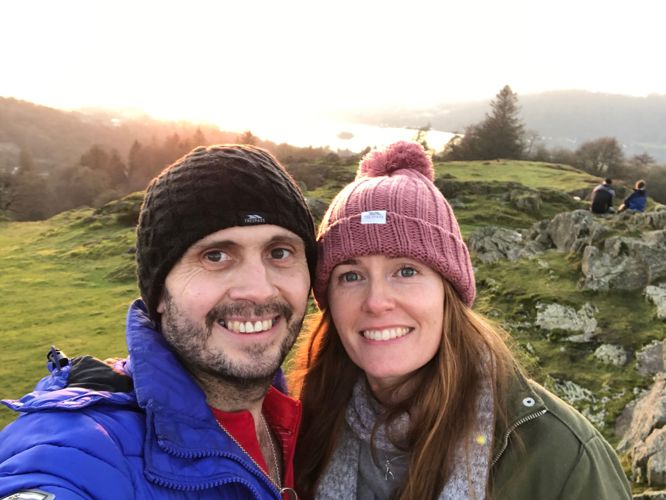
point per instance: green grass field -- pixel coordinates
(530, 174)
(60, 284)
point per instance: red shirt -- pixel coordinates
(283, 415)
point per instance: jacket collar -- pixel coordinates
(522, 404)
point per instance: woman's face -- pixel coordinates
(389, 314)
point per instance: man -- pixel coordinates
(602, 198)
(225, 255)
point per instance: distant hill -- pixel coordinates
(562, 118)
(58, 138)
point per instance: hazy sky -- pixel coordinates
(244, 62)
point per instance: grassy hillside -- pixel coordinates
(67, 281)
(63, 281)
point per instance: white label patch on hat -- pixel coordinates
(373, 217)
(250, 218)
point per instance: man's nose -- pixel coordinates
(252, 282)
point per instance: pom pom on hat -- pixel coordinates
(401, 155)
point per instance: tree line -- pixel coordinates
(503, 135)
(104, 174)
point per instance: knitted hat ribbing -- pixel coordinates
(394, 209)
(209, 189)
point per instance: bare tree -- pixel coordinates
(603, 156)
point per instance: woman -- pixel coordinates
(637, 199)
(407, 393)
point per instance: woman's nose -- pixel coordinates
(379, 297)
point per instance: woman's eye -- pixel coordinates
(280, 253)
(349, 277)
(216, 256)
(407, 272)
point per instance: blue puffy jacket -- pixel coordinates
(158, 441)
(636, 200)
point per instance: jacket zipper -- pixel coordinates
(199, 487)
(515, 425)
(267, 476)
(178, 453)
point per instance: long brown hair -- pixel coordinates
(439, 405)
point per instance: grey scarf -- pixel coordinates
(471, 464)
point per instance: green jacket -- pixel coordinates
(550, 451)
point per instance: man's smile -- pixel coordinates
(248, 326)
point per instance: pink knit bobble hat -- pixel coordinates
(393, 208)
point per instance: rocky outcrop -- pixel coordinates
(655, 219)
(583, 399)
(493, 243)
(557, 317)
(642, 428)
(657, 295)
(650, 359)
(525, 201)
(580, 231)
(625, 263)
(614, 355)
(571, 232)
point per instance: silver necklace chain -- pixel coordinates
(278, 483)
(276, 462)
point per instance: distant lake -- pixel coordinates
(348, 136)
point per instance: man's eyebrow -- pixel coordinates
(214, 243)
(286, 238)
(226, 243)
(348, 262)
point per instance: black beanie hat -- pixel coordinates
(209, 189)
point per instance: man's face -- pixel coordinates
(234, 303)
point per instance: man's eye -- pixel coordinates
(216, 256)
(407, 272)
(349, 277)
(281, 253)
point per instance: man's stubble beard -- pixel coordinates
(189, 341)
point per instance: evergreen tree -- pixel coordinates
(27, 192)
(26, 164)
(199, 139)
(500, 135)
(7, 188)
(247, 138)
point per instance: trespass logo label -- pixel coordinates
(373, 217)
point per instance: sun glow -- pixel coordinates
(283, 67)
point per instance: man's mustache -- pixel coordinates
(245, 309)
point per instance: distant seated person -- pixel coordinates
(636, 200)
(602, 198)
